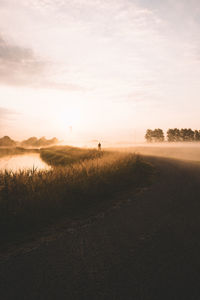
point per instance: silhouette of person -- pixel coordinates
(99, 146)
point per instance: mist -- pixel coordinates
(183, 151)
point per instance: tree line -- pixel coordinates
(173, 135)
(6, 141)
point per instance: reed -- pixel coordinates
(31, 199)
(65, 155)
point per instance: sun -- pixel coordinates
(68, 119)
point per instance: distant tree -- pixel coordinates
(155, 135)
(31, 142)
(149, 135)
(6, 141)
(197, 135)
(173, 135)
(187, 135)
(182, 135)
(42, 142)
(170, 135)
(158, 135)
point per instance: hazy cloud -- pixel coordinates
(18, 65)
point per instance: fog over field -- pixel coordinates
(184, 151)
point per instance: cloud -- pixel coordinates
(20, 66)
(101, 43)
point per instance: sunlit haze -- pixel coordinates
(98, 70)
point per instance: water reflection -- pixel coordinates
(22, 162)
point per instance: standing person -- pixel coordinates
(99, 146)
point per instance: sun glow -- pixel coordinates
(68, 118)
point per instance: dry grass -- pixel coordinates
(32, 199)
(65, 155)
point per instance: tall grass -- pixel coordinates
(65, 155)
(31, 199)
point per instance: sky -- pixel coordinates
(98, 69)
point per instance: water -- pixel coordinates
(22, 162)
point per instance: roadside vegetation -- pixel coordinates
(30, 200)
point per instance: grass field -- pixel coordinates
(30, 200)
(65, 155)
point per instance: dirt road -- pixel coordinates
(148, 248)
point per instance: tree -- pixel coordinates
(187, 135)
(6, 141)
(42, 142)
(173, 135)
(158, 135)
(197, 135)
(149, 135)
(155, 135)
